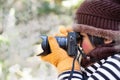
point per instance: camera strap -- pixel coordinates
(72, 70)
(81, 53)
(73, 63)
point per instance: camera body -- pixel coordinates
(72, 47)
(68, 43)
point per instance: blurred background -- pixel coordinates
(21, 24)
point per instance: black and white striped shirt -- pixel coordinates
(108, 69)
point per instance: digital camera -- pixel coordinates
(68, 43)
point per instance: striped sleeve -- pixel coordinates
(65, 75)
(109, 70)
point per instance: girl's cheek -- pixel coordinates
(86, 47)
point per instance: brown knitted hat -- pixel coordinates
(99, 18)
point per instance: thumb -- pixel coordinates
(53, 44)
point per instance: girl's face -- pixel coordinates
(86, 44)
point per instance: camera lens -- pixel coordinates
(62, 41)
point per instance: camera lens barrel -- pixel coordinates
(62, 41)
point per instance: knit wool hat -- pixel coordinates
(99, 18)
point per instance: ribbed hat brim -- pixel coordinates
(105, 33)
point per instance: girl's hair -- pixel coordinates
(101, 51)
(96, 41)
